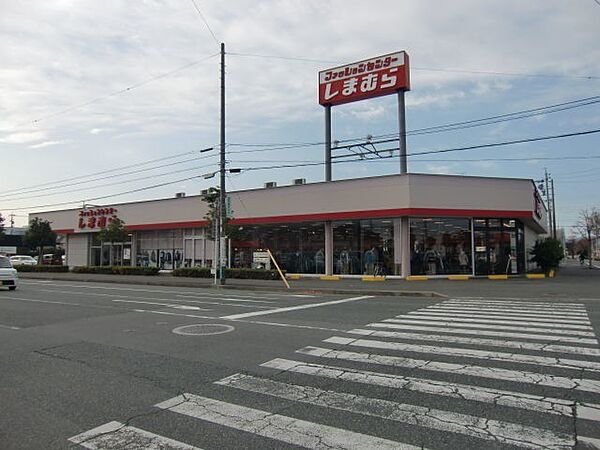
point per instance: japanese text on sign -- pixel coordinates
(374, 77)
(96, 218)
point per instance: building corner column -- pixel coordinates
(405, 246)
(328, 248)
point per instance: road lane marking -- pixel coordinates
(460, 330)
(43, 301)
(469, 353)
(256, 322)
(454, 318)
(451, 323)
(511, 311)
(117, 436)
(159, 290)
(492, 373)
(96, 294)
(480, 341)
(275, 426)
(296, 308)
(501, 317)
(226, 298)
(490, 430)
(443, 388)
(169, 305)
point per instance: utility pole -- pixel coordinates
(222, 210)
(553, 209)
(12, 220)
(548, 201)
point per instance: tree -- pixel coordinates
(547, 254)
(589, 227)
(212, 200)
(1, 226)
(38, 235)
(114, 232)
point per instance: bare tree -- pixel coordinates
(589, 227)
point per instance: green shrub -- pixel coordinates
(42, 268)
(252, 274)
(117, 270)
(248, 274)
(193, 272)
(547, 254)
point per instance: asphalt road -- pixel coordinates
(108, 366)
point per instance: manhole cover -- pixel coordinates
(203, 329)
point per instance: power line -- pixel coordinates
(445, 127)
(517, 141)
(283, 166)
(115, 93)
(117, 169)
(205, 22)
(133, 180)
(427, 69)
(106, 196)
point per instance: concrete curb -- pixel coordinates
(193, 283)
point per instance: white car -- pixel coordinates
(8, 275)
(22, 260)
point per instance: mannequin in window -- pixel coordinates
(431, 258)
(370, 260)
(463, 261)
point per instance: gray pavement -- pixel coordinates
(490, 364)
(572, 277)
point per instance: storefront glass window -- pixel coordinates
(162, 249)
(440, 246)
(298, 248)
(363, 247)
(499, 246)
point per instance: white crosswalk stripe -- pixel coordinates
(117, 436)
(275, 426)
(486, 332)
(491, 430)
(474, 333)
(545, 320)
(494, 373)
(470, 353)
(512, 311)
(480, 341)
(457, 318)
(485, 326)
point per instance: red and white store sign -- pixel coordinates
(373, 77)
(96, 219)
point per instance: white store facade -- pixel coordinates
(396, 225)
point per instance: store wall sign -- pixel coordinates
(95, 219)
(370, 78)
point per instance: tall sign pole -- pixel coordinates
(382, 75)
(402, 132)
(222, 209)
(327, 142)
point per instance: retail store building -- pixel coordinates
(392, 225)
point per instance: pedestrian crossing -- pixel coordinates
(463, 373)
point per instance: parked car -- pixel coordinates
(52, 259)
(22, 260)
(8, 274)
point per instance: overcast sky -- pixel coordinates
(88, 86)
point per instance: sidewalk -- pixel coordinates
(572, 281)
